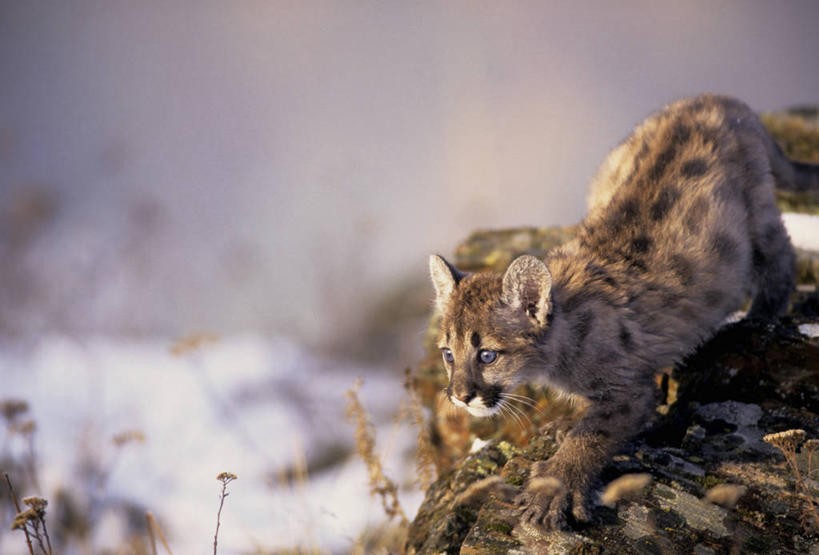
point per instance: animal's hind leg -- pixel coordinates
(774, 270)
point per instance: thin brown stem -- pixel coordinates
(219, 514)
(36, 525)
(45, 532)
(17, 506)
(802, 487)
(148, 519)
(153, 526)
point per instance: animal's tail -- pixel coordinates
(805, 178)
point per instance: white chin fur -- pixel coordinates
(482, 411)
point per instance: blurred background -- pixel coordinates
(274, 174)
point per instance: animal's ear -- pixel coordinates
(527, 286)
(445, 278)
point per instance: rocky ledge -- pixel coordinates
(700, 479)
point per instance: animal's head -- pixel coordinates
(489, 329)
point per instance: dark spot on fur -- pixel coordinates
(665, 200)
(696, 214)
(603, 433)
(595, 270)
(681, 133)
(447, 338)
(610, 280)
(683, 269)
(713, 297)
(638, 158)
(709, 135)
(641, 244)
(475, 339)
(623, 408)
(663, 159)
(725, 247)
(626, 213)
(694, 167)
(596, 384)
(634, 263)
(606, 415)
(625, 339)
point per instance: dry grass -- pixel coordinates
(380, 484)
(788, 442)
(153, 528)
(426, 469)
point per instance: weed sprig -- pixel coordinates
(225, 478)
(788, 442)
(380, 484)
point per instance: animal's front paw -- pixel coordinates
(546, 501)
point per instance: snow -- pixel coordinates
(803, 229)
(248, 404)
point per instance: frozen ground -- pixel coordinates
(247, 404)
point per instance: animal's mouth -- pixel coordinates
(482, 411)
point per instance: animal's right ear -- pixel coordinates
(445, 278)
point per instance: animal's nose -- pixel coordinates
(464, 398)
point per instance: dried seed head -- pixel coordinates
(192, 343)
(36, 503)
(127, 437)
(548, 485)
(23, 518)
(789, 440)
(12, 408)
(726, 495)
(480, 491)
(226, 477)
(811, 445)
(628, 485)
(25, 428)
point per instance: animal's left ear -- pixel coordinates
(527, 286)
(445, 278)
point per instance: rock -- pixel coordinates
(749, 380)
(797, 132)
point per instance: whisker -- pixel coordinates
(532, 407)
(521, 398)
(522, 414)
(510, 410)
(521, 401)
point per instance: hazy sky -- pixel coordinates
(293, 159)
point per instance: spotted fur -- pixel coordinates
(682, 226)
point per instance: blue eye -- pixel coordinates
(487, 357)
(448, 355)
